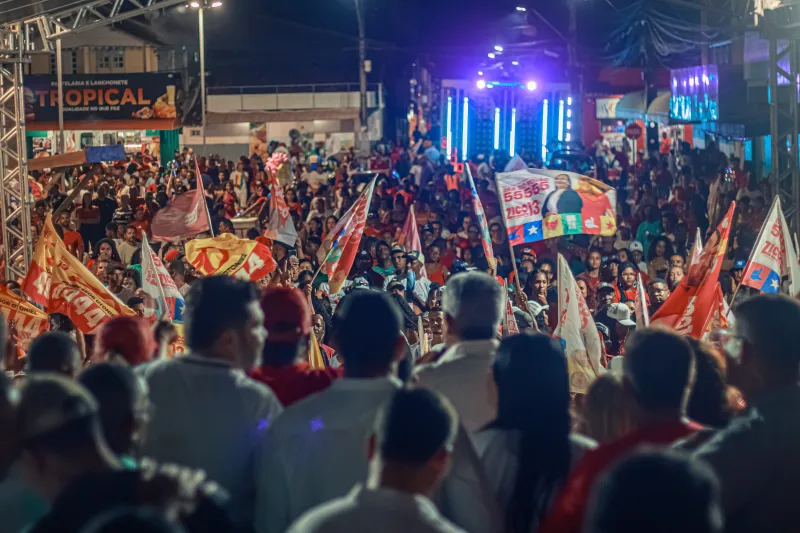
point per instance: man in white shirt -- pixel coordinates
(315, 179)
(409, 451)
(207, 413)
(473, 307)
(314, 452)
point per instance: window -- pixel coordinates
(53, 67)
(110, 59)
(74, 61)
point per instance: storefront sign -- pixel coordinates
(91, 97)
(607, 107)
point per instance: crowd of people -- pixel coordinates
(430, 413)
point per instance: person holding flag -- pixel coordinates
(340, 247)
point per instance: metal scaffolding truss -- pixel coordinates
(783, 119)
(36, 31)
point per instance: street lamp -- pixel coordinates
(201, 6)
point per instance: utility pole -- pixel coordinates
(362, 76)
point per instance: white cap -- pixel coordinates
(636, 246)
(621, 313)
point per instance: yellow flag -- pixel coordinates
(315, 358)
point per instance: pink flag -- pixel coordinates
(185, 217)
(409, 237)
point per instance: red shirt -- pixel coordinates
(73, 241)
(569, 510)
(294, 382)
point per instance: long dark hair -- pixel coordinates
(530, 372)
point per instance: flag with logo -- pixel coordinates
(60, 283)
(773, 254)
(541, 204)
(486, 239)
(185, 217)
(640, 304)
(512, 328)
(29, 322)
(281, 226)
(339, 249)
(228, 255)
(691, 305)
(160, 287)
(577, 331)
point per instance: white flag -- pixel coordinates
(577, 332)
(773, 255)
(159, 285)
(642, 313)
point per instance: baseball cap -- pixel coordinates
(414, 255)
(48, 402)
(621, 313)
(363, 254)
(397, 248)
(528, 251)
(287, 314)
(395, 285)
(636, 246)
(739, 264)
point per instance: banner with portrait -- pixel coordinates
(541, 204)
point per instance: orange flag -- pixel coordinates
(692, 304)
(60, 283)
(228, 255)
(28, 320)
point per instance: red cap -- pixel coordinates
(131, 337)
(287, 314)
(170, 255)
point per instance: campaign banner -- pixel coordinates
(60, 283)
(145, 96)
(228, 255)
(29, 321)
(541, 204)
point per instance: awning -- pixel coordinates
(631, 107)
(659, 108)
(90, 154)
(301, 115)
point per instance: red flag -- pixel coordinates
(185, 217)
(512, 328)
(338, 250)
(691, 305)
(60, 283)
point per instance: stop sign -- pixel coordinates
(633, 131)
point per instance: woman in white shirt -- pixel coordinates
(527, 450)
